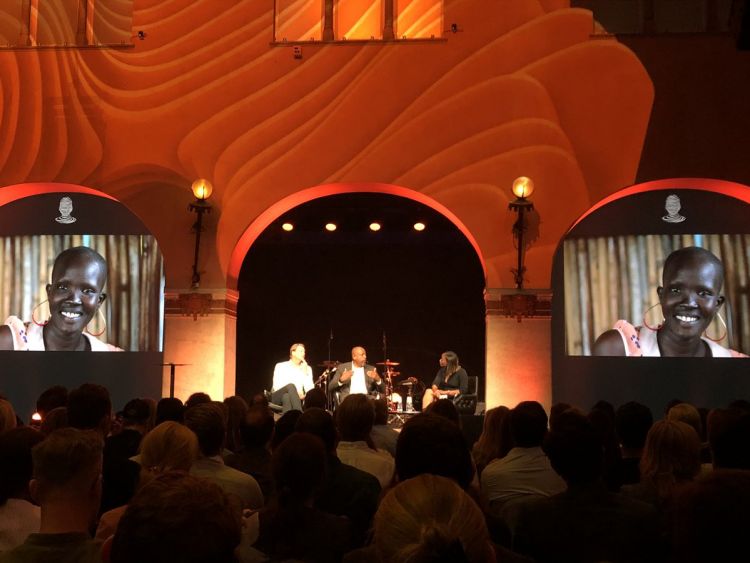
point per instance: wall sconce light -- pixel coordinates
(520, 304)
(202, 190)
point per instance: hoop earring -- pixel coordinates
(644, 319)
(33, 318)
(104, 320)
(723, 336)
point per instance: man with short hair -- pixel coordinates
(356, 377)
(255, 456)
(207, 421)
(525, 472)
(90, 408)
(67, 484)
(292, 379)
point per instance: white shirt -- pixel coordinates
(378, 463)
(524, 471)
(359, 383)
(288, 372)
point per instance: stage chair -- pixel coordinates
(466, 403)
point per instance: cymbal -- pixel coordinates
(388, 363)
(328, 364)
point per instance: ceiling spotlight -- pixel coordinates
(419, 226)
(287, 227)
(330, 227)
(374, 226)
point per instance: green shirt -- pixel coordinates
(73, 547)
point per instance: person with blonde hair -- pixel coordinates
(168, 447)
(429, 519)
(671, 458)
(494, 442)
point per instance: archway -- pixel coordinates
(403, 294)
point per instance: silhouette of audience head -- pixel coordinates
(298, 466)
(315, 399)
(170, 408)
(170, 446)
(527, 424)
(444, 408)
(207, 421)
(355, 417)
(236, 409)
(90, 408)
(7, 416)
(711, 518)
(671, 455)
(284, 427)
(729, 438)
(16, 466)
(632, 422)
(178, 517)
(257, 428)
(319, 423)
(55, 396)
(435, 445)
(67, 470)
(429, 518)
(55, 419)
(574, 450)
(196, 399)
(381, 411)
(687, 413)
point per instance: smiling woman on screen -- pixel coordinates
(74, 295)
(690, 299)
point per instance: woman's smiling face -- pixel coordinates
(691, 294)
(75, 292)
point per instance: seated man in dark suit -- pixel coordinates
(356, 376)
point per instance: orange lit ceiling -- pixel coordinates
(521, 89)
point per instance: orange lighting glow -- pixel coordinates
(202, 189)
(330, 227)
(36, 417)
(374, 226)
(287, 227)
(419, 227)
(523, 187)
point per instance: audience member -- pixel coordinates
(178, 517)
(236, 408)
(556, 410)
(602, 418)
(429, 518)
(632, 423)
(346, 490)
(55, 419)
(525, 472)
(355, 417)
(90, 408)
(729, 438)
(433, 444)
(67, 485)
(291, 528)
(712, 518)
(254, 458)
(671, 458)
(168, 447)
(18, 516)
(315, 399)
(196, 399)
(586, 522)
(7, 416)
(383, 436)
(284, 427)
(494, 441)
(169, 408)
(445, 408)
(52, 398)
(207, 421)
